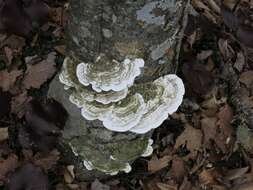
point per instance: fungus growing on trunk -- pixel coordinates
(145, 107)
(106, 74)
(114, 101)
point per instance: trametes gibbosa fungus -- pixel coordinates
(106, 90)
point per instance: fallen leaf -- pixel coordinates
(8, 165)
(97, 185)
(178, 169)
(44, 121)
(247, 79)
(19, 103)
(229, 3)
(14, 42)
(208, 177)
(210, 107)
(192, 138)
(245, 35)
(155, 165)
(4, 134)
(28, 177)
(37, 10)
(229, 18)
(163, 186)
(8, 79)
(47, 161)
(247, 186)
(240, 61)
(209, 128)
(224, 139)
(199, 79)
(61, 49)
(225, 49)
(236, 173)
(204, 54)
(69, 174)
(39, 73)
(186, 184)
(13, 19)
(9, 54)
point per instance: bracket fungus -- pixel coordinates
(116, 161)
(69, 79)
(106, 91)
(106, 75)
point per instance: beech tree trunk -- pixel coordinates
(151, 29)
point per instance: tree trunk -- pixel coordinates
(150, 29)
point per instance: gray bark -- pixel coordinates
(151, 29)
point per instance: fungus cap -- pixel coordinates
(169, 96)
(106, 75)
(120, 116)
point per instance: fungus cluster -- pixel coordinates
(106, 90)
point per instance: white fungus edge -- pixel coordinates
(162, 112)
(136, 64)
(149, 149)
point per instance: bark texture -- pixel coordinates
(150, 29)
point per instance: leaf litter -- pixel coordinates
(206, 145)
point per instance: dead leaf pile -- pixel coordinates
(25, 12)
(44, 122)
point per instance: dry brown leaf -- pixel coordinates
(155, 165)
(68, 174)
(48, 161)
(4, 134)
(192, 38)
(178, 170)
(209, 128)
(18, 104)
(97, 185)
(163, 186)
(247, 186)
(225, 49)
(207, 177)
(210, 107)
(186, 185)
(8, 79)
(204, 54)
(16, 43)
(247, 79)
(230, 3)
(9, 55)
(224, 138)
(150, 183)
(236, 173)
(67, 177)
(61, 49)
(8, 165)
(192, 138)
(39, 73)
(240, 61)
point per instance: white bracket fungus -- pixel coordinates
(120, 116)
(139, 110)
(106, 75)
(69, 79)
(168, 97)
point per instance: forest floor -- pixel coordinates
(206, 145)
